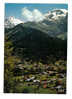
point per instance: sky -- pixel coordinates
(30, 11)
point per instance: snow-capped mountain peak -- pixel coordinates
(14, 20)
(55, 14)
(11, 21)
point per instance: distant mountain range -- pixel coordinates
(54, 24)
(44, 36)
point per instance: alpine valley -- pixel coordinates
(36, 53)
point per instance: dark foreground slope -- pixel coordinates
(35, 42)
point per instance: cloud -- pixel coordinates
(34, 15)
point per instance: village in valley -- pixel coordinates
(41, 78)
